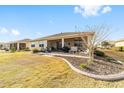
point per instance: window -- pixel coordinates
(41, 45)
(33, 45)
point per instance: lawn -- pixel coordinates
(115, 54)
(23, 69)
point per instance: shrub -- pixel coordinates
(35, 50)
(13, 50)
(121, 48)
(99, 53)
(83, 65)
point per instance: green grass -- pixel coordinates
(22, 69)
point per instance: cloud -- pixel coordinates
(106, 9)
(6, 31)
(15, 32)
(3, 30)
(87, 11)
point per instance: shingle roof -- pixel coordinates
(62, 34)
(23, 40)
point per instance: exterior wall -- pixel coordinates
(22, 46)
(53, 43)
(28, 45)
(69, 42)
(75, 42)
(37, 43)
(6, 46)
(1, 46)
(11, 45)
(119, 44)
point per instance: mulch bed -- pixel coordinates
(100, 67)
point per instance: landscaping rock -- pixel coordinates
(98, 67)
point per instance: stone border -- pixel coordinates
(112, 77)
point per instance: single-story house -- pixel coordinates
(60, 40)
(18, 45)
(53, 42)
(1, 45)
(110, 44)
(119, 43)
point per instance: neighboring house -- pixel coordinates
(1, 45)
(58, 41)
(119, 43)
(106, 44)
(18, 45)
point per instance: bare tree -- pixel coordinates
(98, 33)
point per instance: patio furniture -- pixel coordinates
(84, 52)
(73, 49)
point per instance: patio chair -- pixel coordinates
(84, 52)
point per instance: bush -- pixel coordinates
(83, 65)
(35, 50)
(121, 48)
(13, 50)
(99, 53)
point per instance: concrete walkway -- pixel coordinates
(64, 54)
(112, 77)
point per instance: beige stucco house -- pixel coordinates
(56, 41)
(1, 45)
(119, 43)
(60, 40)
(18, 45)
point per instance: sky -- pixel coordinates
(20, 22)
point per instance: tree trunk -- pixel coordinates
(91, 56)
